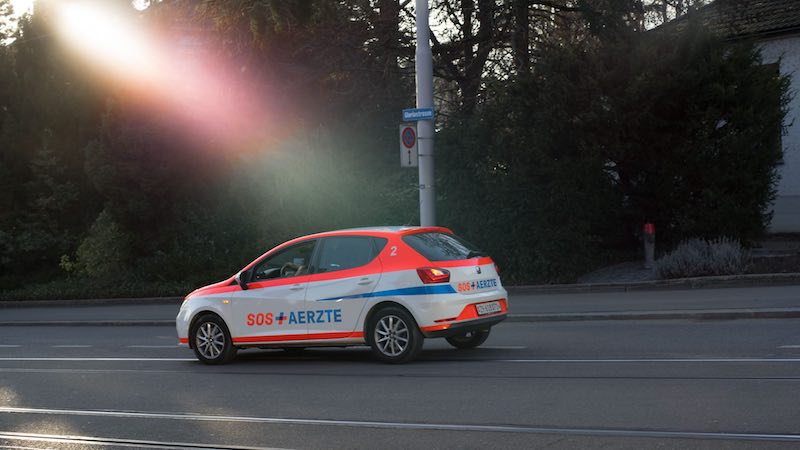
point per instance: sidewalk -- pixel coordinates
(718, 282)
(527, 304)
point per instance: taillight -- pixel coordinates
(430, 275)
(496, 269)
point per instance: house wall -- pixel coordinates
(786, 208)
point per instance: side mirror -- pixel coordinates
(242, 278)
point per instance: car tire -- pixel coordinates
(469, 339)
(212, 343)
(394, 336)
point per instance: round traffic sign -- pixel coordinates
(409, 137)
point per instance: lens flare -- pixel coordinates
(107, 39)
(203, 95)
(21, 7)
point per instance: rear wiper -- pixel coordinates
(474, 254)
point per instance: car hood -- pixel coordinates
(226, 285)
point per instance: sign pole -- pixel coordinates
(424, 64)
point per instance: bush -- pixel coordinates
(87, 287)
(699, 257)
(104, 251)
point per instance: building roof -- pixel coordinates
(737, 19)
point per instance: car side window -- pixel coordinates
(289, 262)
(347, 252)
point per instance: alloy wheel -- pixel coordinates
(210, 340)
(391, 335)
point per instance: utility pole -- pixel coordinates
(424, 64)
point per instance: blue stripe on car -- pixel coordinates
(417, 290)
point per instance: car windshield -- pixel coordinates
(436, 246)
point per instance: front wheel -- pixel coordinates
(212, 340)
(394, 336)
(470, 339)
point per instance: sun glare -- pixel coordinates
(141, 5)
(107, 39)
(10, 24)
(167, 75)
(22, 7)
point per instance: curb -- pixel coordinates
(727, 281)
(720, 314)
(87, 323)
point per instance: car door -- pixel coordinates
(269, 309)
(345, 274)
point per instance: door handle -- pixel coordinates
(296, 287)
(365, 281)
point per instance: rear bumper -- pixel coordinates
(463, 327)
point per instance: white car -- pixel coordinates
(388, 288)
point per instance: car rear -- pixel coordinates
(463, 285)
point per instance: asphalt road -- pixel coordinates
(562, 385)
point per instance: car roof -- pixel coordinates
(381, 231)
(384, 231)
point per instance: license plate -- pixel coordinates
(488, 308)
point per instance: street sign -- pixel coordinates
(408, 145)
(416, 114)
(408, 137)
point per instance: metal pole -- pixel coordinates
(424, 63)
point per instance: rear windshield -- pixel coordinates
(442, 246)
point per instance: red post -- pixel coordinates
(649, 245)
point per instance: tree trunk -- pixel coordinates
(467, 6)
(520, 39)
(475, 61)
(388, 32)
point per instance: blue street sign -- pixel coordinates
(417, 114)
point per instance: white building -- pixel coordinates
(786, 209)
(775, 26)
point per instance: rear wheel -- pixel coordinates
(394, 336)
(470, 339)
(212, 340)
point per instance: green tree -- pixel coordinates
(608, 134)
(48, 112)
(691, 126)
(105, 251)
